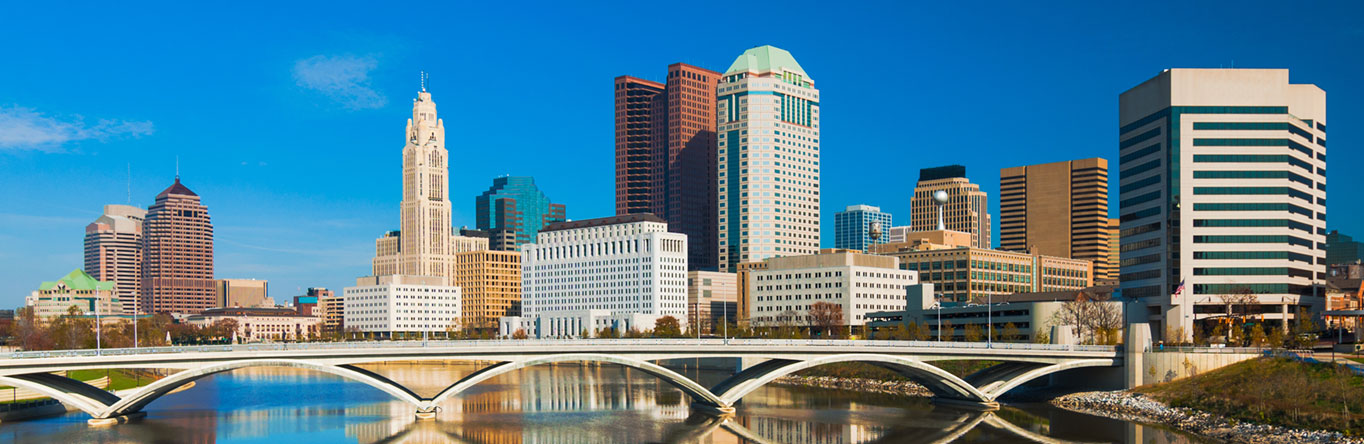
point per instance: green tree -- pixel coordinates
(1010, 332)
(1304, 329)
(948, 332)
(1275, 338)
(1257, 335)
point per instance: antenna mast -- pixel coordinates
(130, 183)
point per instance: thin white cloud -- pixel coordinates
(343, 79)
(26, 129)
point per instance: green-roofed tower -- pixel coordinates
(54, 298)
(767, 114)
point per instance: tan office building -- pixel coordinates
(712, 298)
(967, 208)
(490, 283)
(1057, 209)
(964, 273)
(113, 251)
(332, 309)
(243, 293)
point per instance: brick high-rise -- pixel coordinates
(1060, 208)
(665, 155)
(177, 254)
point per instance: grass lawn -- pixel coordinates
(1277, 391)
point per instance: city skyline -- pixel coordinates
(67, 138)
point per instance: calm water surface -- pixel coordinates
(558, 404)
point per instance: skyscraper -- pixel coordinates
(1222, 195)
(967, 209)
(768, 126)
(1059, 208)
(1342, 249)
(113, 252)
(421, 246)
(852, 227)
(513, 211)
(177, 254)
(665, 154)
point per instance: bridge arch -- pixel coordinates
(696, 391)
(939, 381)
(1000, 388)
(85, 397)
(137, 400)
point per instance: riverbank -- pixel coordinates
(1135, 407)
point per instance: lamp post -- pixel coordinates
(98, 326)
(938, 305)
(989, 320)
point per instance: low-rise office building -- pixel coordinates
(963, 273)
(262, 324)
(622, 265)
(490, 286)
(76, 289)
(712, 298)
(380, 306)
(856, 283)
(244, 293)
(332, 309)
(1029, 313)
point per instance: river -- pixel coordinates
(559, 404)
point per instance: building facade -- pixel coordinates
(490, 286)
(332, 310)
(785, 291)
(767, 112)
(387, 306)
(712, 299)
(76, 289)
(967, 209)
(853, 226)
(243, 293)
(622, 265)
(1030, 314)
(898, 234)
(422, 244)
(1058, 209)
(1342, 249)
(963, 273)
(113, 252)
(513, 211)
(260, 324)
(1222, 191)
(666, 154)
(177, 254)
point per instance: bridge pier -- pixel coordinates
(120, 419)
(426, 415)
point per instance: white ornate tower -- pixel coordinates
(422, 244)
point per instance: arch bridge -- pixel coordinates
(1019, 363)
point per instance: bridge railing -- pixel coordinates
(504, 343)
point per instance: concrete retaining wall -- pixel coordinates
(1174, 365)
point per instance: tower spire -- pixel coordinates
(423, 78)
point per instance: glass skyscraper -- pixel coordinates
(513, 211)
(852, 227)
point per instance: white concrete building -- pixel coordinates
(1222, 189)
(858, 283)
(612, 267)
(767, 113)
(383, 305)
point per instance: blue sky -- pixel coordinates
(288, 119)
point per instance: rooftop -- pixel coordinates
(78, 280)
(942, 172)
(603, 221)
(177, 189)
(766, 58)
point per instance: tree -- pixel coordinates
(948, 332)
(1091, 314)
(826, 317)
(520, 333)
(1304, 330)
(1257, 335)
(225, 328)
(1275, 339)
(667, 327)
(973, 333)
(30, 331)
(1010, 332)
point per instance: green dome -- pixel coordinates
(766, 58)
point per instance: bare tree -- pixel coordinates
(1094, 318)
(826, 316)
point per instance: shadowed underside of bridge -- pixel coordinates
(981, 388)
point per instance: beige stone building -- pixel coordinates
(744, 272)
(963, 273)
(1058, 209)
(262, 324)
(490, 284)
(113, 251)
(856, 283)
(332, 309)
(78, 289)
(967, 209)
(712, 298)
(244, 293)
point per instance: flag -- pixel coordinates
(1178, 290)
